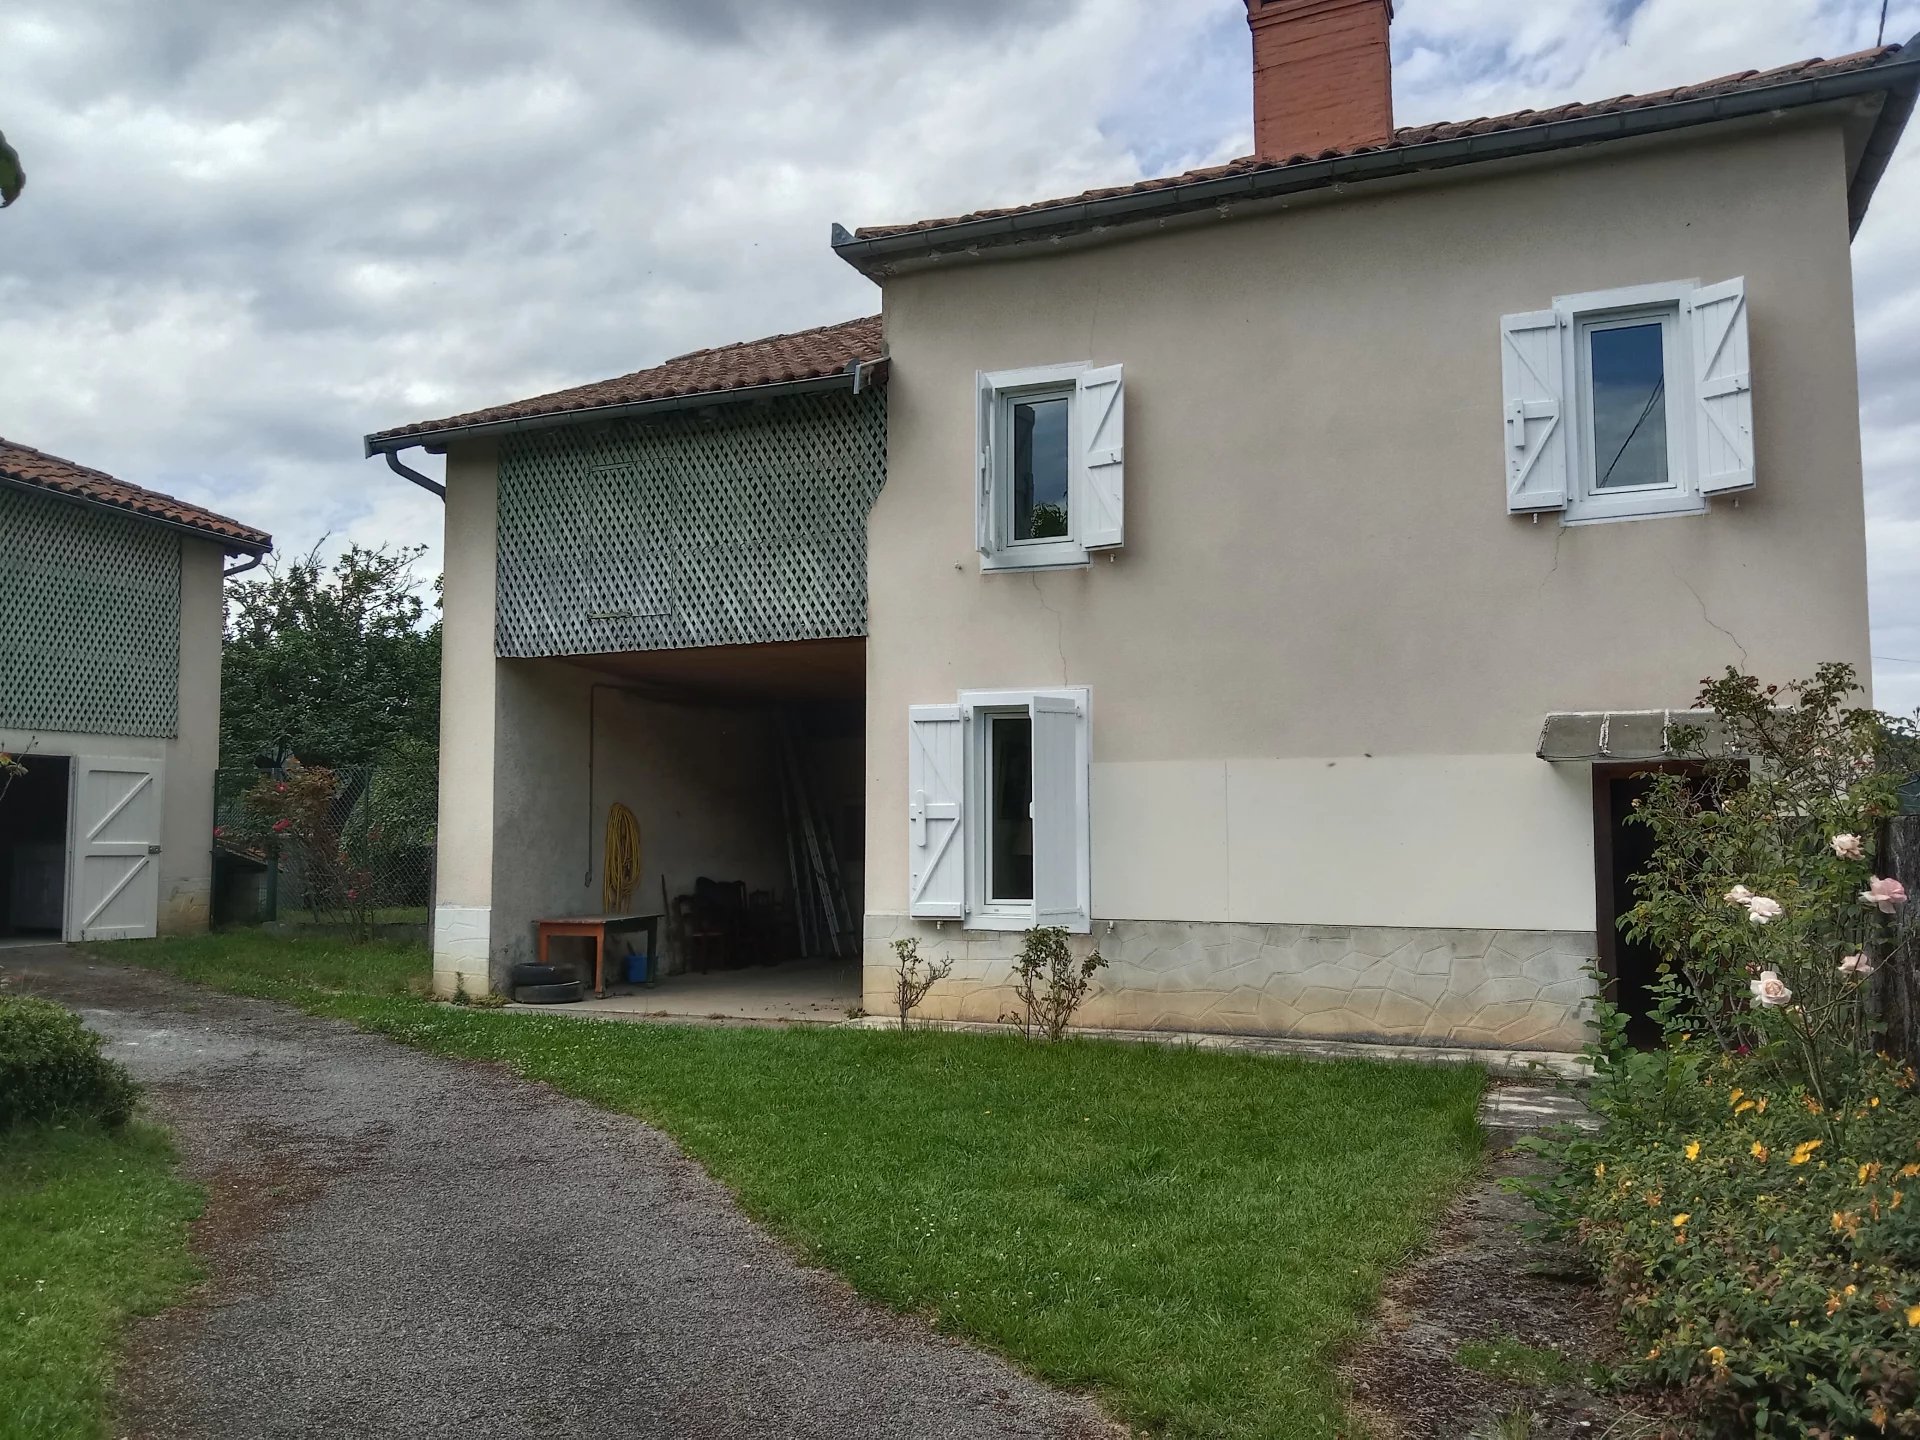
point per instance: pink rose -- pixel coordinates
(1763, 908)
(1848, 847)
(1888, 894)
(1770, 989)
(280, 827)
(1861, 965)
(1739, 895)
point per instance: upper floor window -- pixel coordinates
(1626, 404)
(1051, 465)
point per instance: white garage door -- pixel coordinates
(116, 848)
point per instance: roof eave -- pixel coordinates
(1888, 126)
(861, 374)
(231, 544)
(1898, 78)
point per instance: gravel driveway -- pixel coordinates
(409, 1246)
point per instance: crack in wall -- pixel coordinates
(1059, 626)
(1744, 660)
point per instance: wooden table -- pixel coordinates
(597, 928)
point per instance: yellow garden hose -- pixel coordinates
(620, 871)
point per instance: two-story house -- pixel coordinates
(1277, 573)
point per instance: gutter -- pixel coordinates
(856, 377)
(234, 545)
(1897, 78)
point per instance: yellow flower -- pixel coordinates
(1913, 1316)
(1654, 1353)
(1874, 1100)
(1803, 1152)
(1908, 1172)
(1813, 1105)
(1760, 1152)
(1733, 1095)
(1682, 1218)
(1846, 1222)
(1834, 1302)
(1870, 1171)
(1743, 1107)
(1760, 1106)
(1600, 1171)
(1716, 1356)
(1693, 1150)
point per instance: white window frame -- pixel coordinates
(1581, 315)
(998, 393)
(977, 707)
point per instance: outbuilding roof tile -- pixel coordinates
(803, 355)
(23, 465)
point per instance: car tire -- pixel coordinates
(540, 975)
(563, 993)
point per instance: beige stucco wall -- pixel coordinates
(189, 757)
(1323, 610)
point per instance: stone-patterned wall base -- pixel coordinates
(1503, 988)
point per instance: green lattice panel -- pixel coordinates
(738, 525)
(89, 619)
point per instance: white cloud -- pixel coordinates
(254, 233)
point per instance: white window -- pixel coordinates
(1626, 404)
(1051, 483)
(997, 813)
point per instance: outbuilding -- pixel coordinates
(109, 700)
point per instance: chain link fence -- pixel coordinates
(348, 849)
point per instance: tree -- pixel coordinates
(336, 664)
(13, 176)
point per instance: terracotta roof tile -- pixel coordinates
(24, 465)
(1425, 134)
(804, 355)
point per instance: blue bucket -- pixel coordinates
(638, 968)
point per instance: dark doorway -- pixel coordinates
(1621, 851)
(33, 850)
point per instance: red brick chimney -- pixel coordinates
(1322, 75)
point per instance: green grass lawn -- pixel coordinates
(93, 1229)
(1192, 1236)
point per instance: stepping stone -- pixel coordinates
(1510, 1113)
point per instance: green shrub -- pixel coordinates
(51, 1068)
(1768, 1274)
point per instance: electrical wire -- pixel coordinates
(620, 867)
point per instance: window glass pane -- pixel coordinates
(1039, 469)
(1629, 406)
(1010, 808)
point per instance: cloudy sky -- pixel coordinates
(255, 230)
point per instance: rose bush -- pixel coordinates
(1752, 1204)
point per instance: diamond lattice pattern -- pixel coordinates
(89, 619)
(739, 525)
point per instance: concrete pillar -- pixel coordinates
(463, 900)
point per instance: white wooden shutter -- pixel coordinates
(1532, 367)
(1102, 418)
(116, 848)
(1723, 419)
(984, 397)
(1059, 812)
(936, 821)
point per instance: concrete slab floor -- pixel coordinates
(817, 992)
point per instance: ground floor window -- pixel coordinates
(998, 819)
